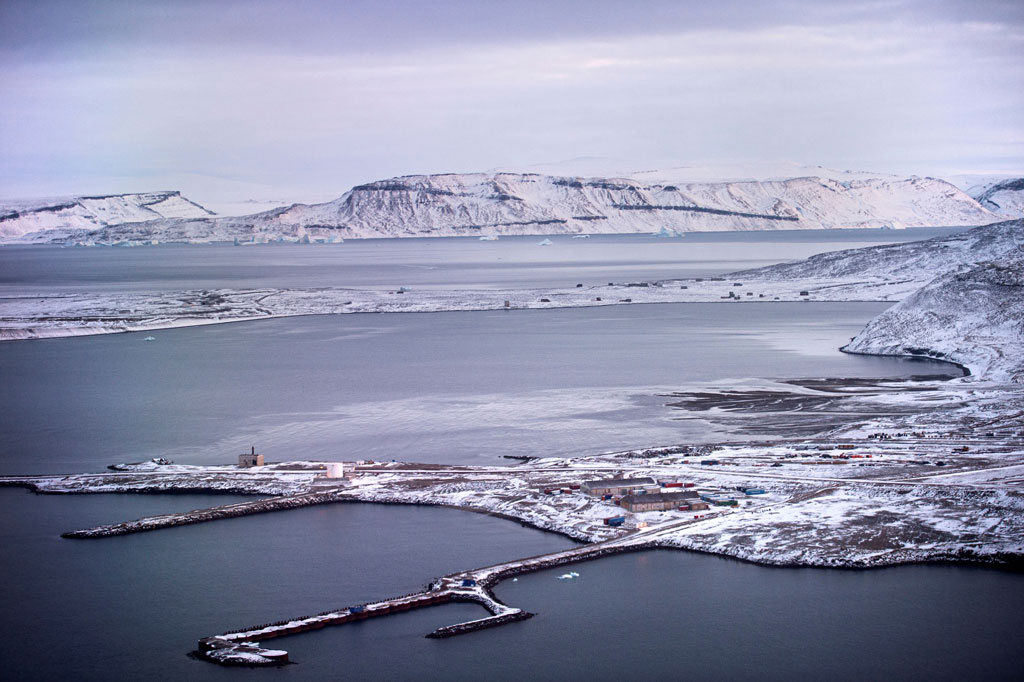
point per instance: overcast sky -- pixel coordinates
(300, 100)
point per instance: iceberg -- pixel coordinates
(489, 238)
(546, 242)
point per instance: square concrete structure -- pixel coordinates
(250, 459)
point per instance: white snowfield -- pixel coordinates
(57, 218)
(486, 204)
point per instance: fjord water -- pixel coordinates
(442, 387)
(457, 387)
(422, 262)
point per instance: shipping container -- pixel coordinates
(615, 520)
(754, 491)
(673, 485)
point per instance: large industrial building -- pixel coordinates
(658, 501)
(618, 486)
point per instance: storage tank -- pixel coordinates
(335, 470)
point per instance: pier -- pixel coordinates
(241, 647)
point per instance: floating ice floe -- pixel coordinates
(546, 242)
(149, 338)
(489, 238)
(569, 576)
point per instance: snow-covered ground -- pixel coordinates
(877, 492)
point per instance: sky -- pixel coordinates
(298, 101)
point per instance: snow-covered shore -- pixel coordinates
(923, 486)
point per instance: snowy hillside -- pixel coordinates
(1005, 197)
(69, 215)
(504, 203)
(974, 318)
(523, 203)
(912, 261)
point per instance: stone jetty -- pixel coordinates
(241, 647)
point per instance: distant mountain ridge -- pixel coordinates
(69, 215)
(479, 204)
(1005, 197)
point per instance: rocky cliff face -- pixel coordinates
(525, 203)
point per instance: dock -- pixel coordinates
(242, 647)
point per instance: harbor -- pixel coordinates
(242, 648)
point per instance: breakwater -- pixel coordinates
(226, 511)
(240, 647)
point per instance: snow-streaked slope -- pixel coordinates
(506, 203)
(974, 318)
(518, 203)
(69, 214)
(1005, 197)
(912, 261)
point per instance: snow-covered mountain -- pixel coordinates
(526, 203)
(974, 318)
(66, 216)
(1005, 197)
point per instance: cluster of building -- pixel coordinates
(638, 495)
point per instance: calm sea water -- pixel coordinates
(447, 387)
(454, 262)
(463, 387)
(130, 608)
